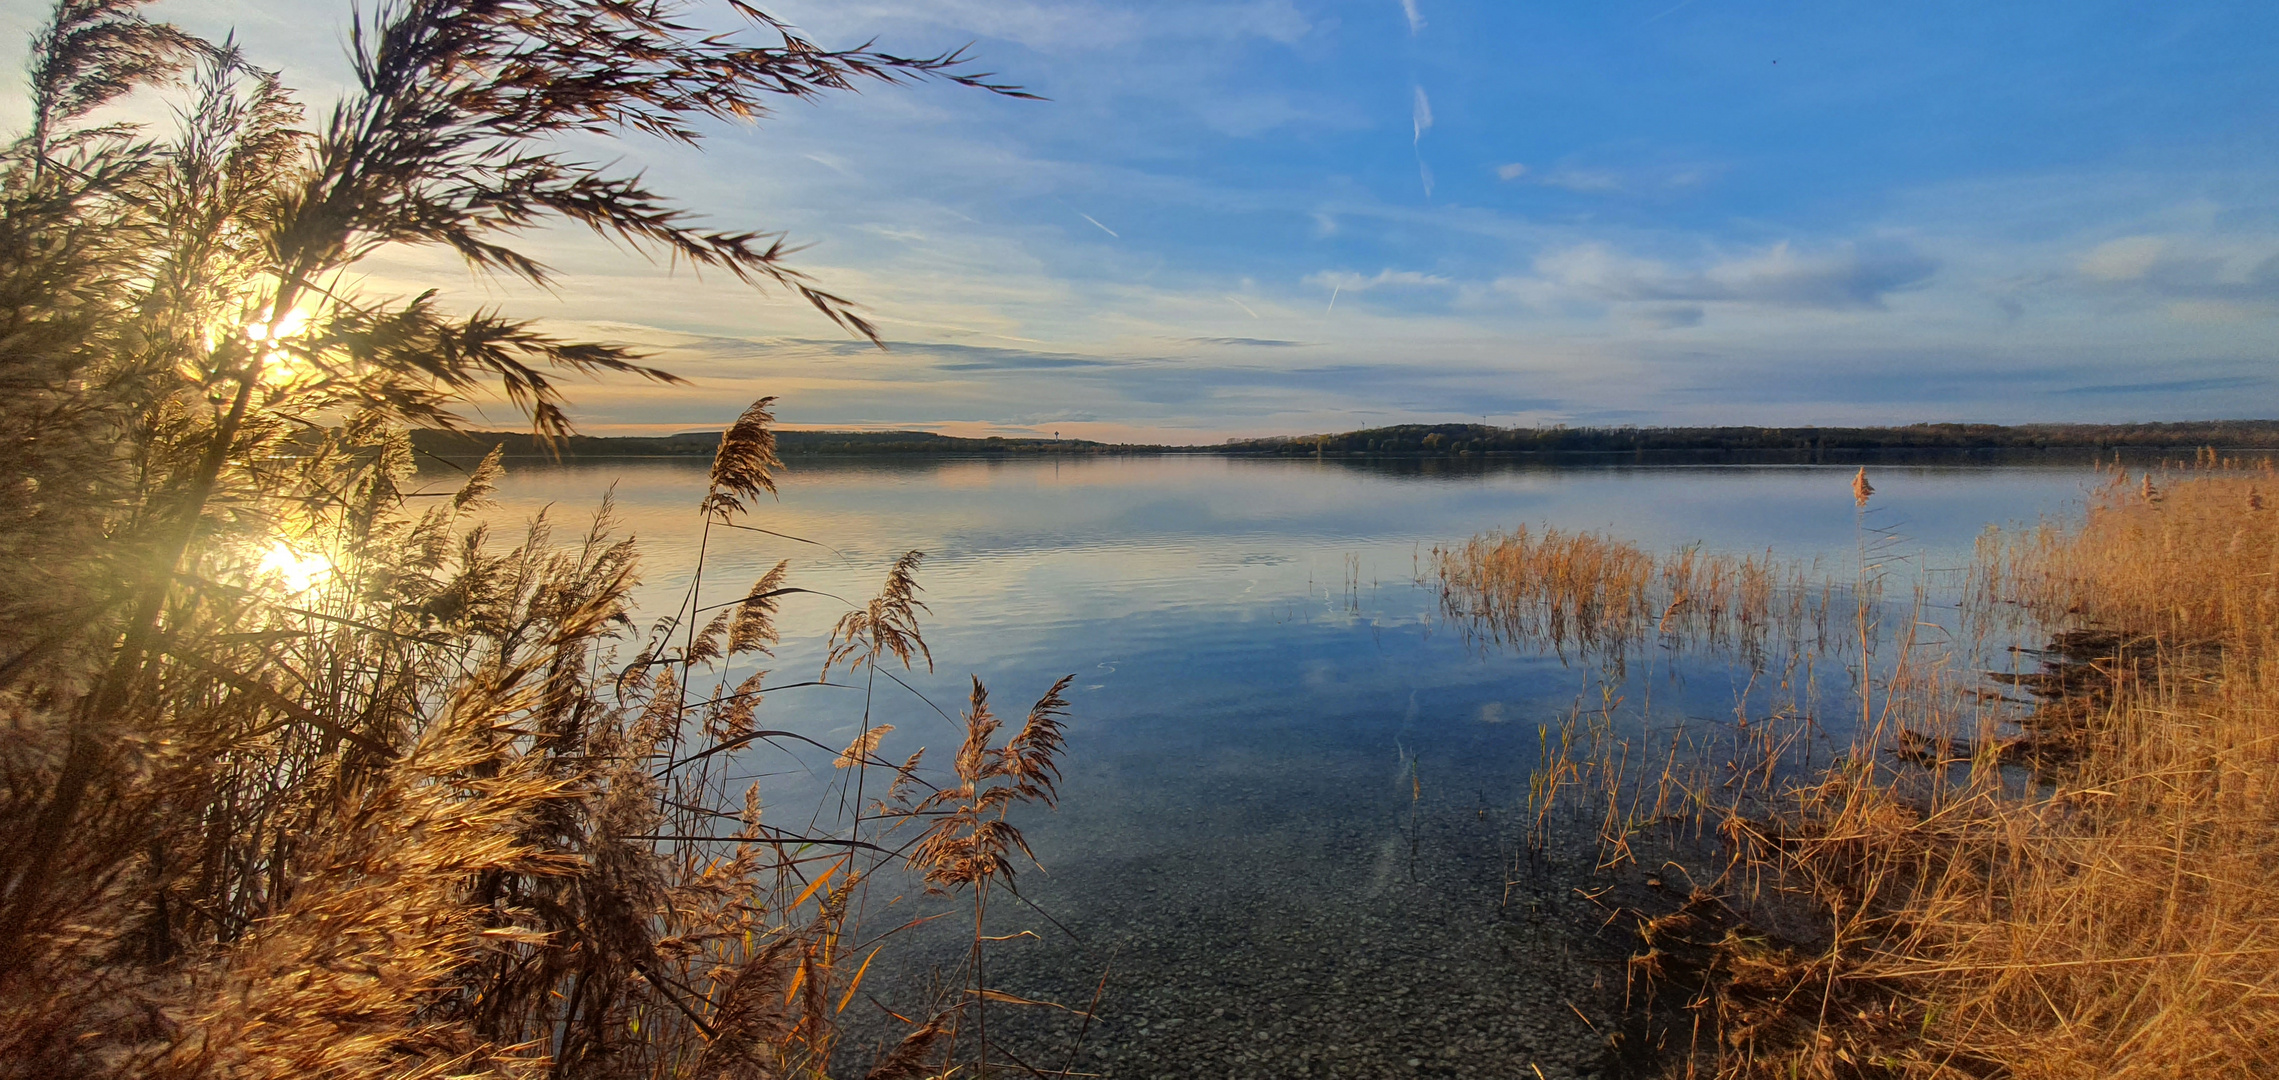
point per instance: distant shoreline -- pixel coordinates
(1443, 442)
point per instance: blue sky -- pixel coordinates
(1281, 216)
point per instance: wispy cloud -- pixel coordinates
(1847, 276)
(1586, 180)
(2185, 268)
(927, 355)
(1661, 179)
(1347, 281)
(1415, 17)
(952, 357)
(2127, 259)
(1512, 171)
(1670, 317)
(2169, 386)
(2219, 312)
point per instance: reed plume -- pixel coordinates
(969, 840)
(741, 467)
(885, 626)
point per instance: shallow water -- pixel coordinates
(1289, 828)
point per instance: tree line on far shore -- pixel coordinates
(1431, 440)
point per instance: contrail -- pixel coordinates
(1422, 117)
(1680, 4)
(1096, 221)
(1240, 304)
(1333, 296)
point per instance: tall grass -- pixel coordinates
(1598, 594)
(2074, 885)
(303, 770)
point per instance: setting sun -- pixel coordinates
(260, 329)
(298, 571)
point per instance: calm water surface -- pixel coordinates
(1288, 823)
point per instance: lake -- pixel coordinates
(1290, 830)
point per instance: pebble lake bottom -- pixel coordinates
(1293, 837)
(1350, 940)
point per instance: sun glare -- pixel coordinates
(292, 324)
(299, 572)
(280, 366)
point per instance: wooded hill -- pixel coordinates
(1456, 439)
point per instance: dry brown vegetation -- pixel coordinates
(1598, 594)
(303, 772)
(2074, 885)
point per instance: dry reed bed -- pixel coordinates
(1594, 593)
(419, 819)
(2106, 912)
